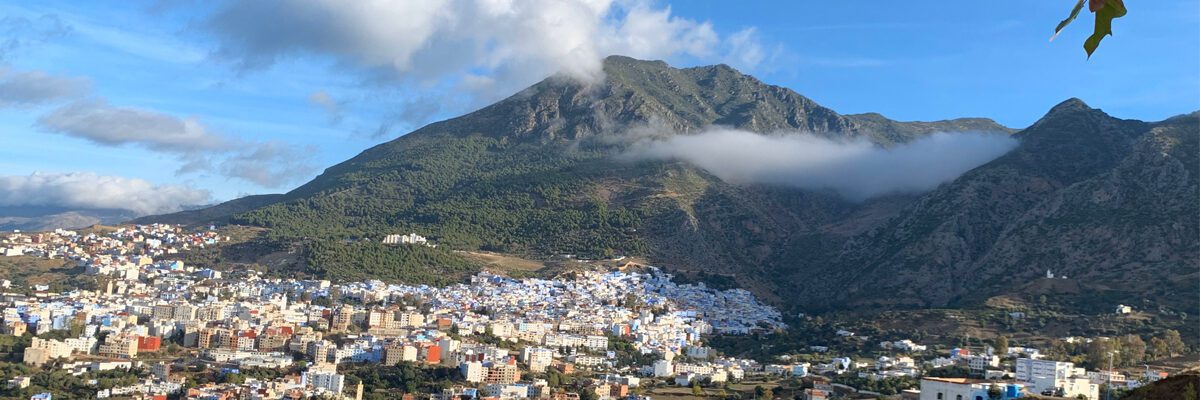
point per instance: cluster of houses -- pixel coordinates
(1030, 375)
(493, 329)
(121, 245)
(497, 332)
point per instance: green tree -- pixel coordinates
(696, 390)
(236, 379)
(1002, 345)
(1175, 344)
(1133, 350)
(587, 394)
(1100, 350)
(995, 392)
(1189, 392)
(1159, 348)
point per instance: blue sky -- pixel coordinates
(212, 100)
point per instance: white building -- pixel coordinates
(537, 358)
(685, 379)
(699, 352)
(596, 342)
(1079, 385)
(411, 238)
(962, 389)
(1104, 377)
(472, 371)
(324, 380)
(506, 391)
(663, 368)
(1042, 374)
(981, 362)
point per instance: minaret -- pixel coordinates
(358, 392)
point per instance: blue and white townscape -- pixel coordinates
(155, 314)
(503, 338)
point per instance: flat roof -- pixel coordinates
(959, 380)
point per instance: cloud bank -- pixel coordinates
(856, 170)
(78, 190)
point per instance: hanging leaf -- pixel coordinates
(1110, 10)
(1065, 22)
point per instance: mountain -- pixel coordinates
(1109, 202)
(215, 213)
(37, 218)
(1083, 194)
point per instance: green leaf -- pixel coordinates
(1112, 9)
(1065, 22)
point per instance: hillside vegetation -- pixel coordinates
(1108, 203)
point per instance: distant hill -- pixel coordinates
(1084, 195)
(217, 213)
(37, 218)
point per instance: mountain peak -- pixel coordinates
(1071, 104)
(1072, 110)
(618, 61)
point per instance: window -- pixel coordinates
(939, 396)
(958, 397)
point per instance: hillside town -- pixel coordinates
(201, 333)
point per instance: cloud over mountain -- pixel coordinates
(460, 54)
(857, 170)
(91, 191)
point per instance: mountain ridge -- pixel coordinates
(531, 175)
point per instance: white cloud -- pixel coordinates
(29, 88)
(745, 49)
(326, 102)
(436, 39)
(89, 190)
(200, 150)
(100, 122)
(857, 170)
(269, 164)
(478, 49)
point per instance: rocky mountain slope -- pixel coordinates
(1084, 194)
(1106, 202)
